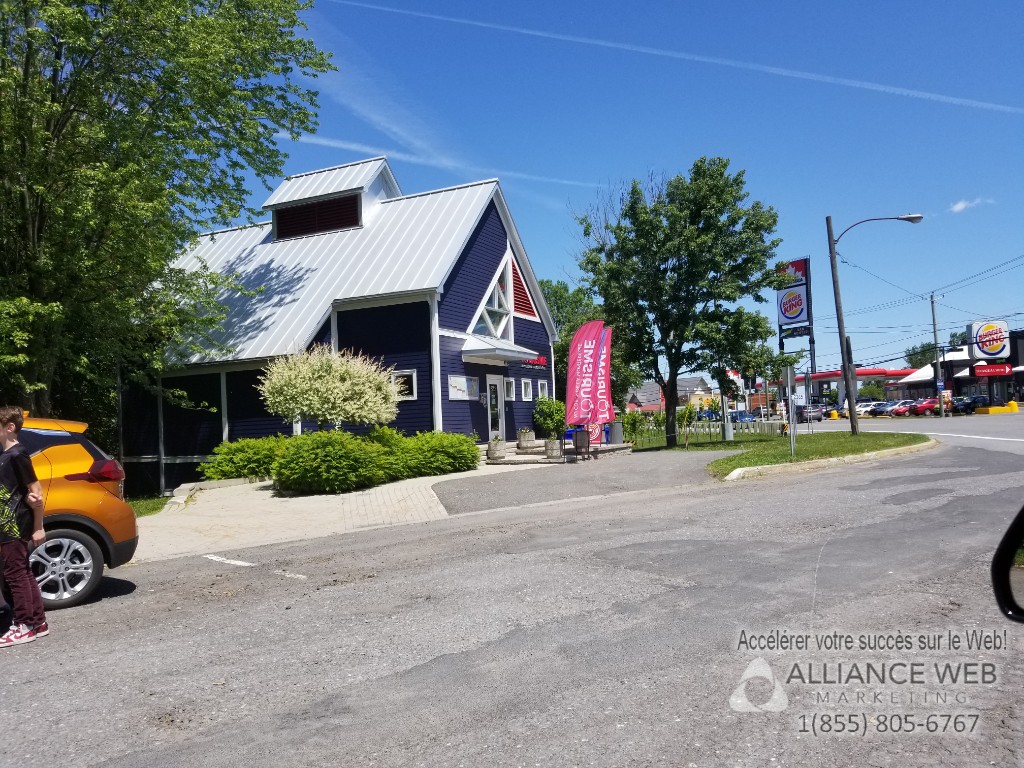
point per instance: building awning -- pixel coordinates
(961, 374)
(927, 373)
(1018, 369)
(495, 350)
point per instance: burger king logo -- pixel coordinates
(791, 305)
(991, 339)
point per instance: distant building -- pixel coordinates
(648, 396)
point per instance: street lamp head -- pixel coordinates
(913, 218)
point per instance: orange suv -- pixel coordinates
(87, 522)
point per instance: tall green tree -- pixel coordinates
(670, 264)
(923, 354)
(570, 308)
(873, 389)
(125, 128)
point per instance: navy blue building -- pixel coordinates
(436, 285)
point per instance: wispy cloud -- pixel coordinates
(864, 85)
(371, 99)
(962, 205)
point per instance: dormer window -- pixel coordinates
(316, 217)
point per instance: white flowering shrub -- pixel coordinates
(329, 387)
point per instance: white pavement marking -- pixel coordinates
(220, 559)
(290, 575)
(975, 437)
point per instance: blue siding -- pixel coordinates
(463, 416)
(532, 335)
(399, 336)
(473, 272)
(323, 336)
(471, 416)
(247, 415)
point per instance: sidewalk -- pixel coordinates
(250, 515)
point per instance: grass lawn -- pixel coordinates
(149, 505)
(758, 450)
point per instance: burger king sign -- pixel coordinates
(989, 340)
(792, 304)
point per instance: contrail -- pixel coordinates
(408, 157)
(863, 85)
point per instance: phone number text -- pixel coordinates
(863, 723)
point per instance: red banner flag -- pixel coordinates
(588, 390)
(605, 412)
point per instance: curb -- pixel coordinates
(804, 466)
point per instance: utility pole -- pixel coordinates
(939, 383)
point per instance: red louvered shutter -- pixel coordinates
(520, 296)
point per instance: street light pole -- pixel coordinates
(845, 348)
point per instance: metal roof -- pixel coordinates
(409, 244)
(329, 181)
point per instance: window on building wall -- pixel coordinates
(527, 389)
(405, 381)
(510, 389)
(542, 388)
(495, 316)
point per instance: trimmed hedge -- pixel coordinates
(329, 462)
(338, 462)
(248, 457)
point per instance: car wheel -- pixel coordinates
(68, 568)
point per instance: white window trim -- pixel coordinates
(542, 388)
(527, 388)
(510, 389)
(410, 372)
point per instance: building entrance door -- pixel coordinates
(495, 407)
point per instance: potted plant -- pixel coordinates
(549, 418)
(496, 448)
(526, 437)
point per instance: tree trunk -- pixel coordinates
(670, 389)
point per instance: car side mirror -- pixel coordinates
(1008, 570)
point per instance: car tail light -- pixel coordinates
(100, 471)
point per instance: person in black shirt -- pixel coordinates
(21, 531)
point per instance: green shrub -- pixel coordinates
(549, 417)
(248, 457)
(386, 436)
(438, 453)
(393, 461)
(330, 462)
(632, 423)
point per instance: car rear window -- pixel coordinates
(36, 440)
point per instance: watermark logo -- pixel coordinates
(759, 669)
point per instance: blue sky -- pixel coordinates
(870, 109)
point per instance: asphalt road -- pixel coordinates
(604, 627)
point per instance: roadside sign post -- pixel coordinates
(791, 409)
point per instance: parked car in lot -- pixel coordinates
(761, 412)
(964, 405)
(982, 401)
(904, 408)
(862, 409)
(87, 522)
(809, 413)
(926, 406)
(880, 408)
(891, 407)
(741, 416)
